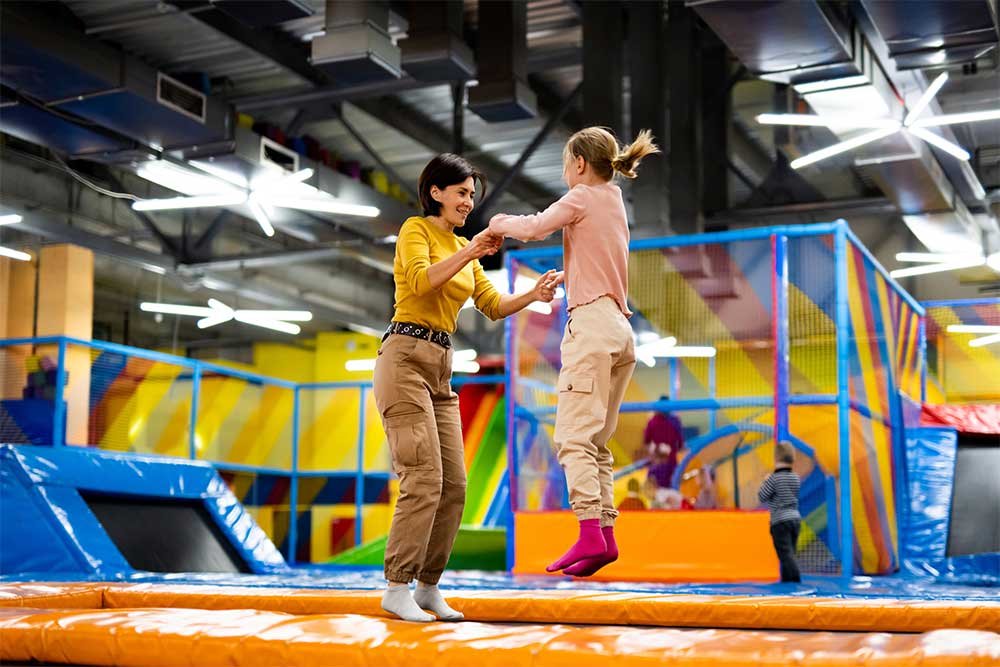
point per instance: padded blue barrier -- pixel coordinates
(930, 462)
(47, 527)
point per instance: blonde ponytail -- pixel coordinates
(628, 159)
(599, 148)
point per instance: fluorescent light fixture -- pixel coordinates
(843, 146)
(324, 206)
(691, 351)
(10, 219)
(14, 254)
(937, 267)
(647, 352)
(933, 257)
(940, 142)
(925, 99)
(812, 120)
(229, 176)
(199, 201)
(180, 179)
(954, 118)
(260, 214)
(648, 337)
(464, 355)
(265, 323)
(457, 365)
(464, 367)
(173, 309)
(994, 261)
(288, 315)
(830, 84)
(219, 313)
(985, 340)
(360, 365)
(539, 307)
(974, 328)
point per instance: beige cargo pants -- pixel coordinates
(598, 357)
(412, 388)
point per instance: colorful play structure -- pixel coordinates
(240, 517)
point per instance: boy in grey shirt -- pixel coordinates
(780, 492)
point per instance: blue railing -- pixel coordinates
(198, 370)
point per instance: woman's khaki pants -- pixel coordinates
(420, 415)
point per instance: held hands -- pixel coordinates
(545, 288)
(484, 243)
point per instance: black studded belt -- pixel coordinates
(418, 331)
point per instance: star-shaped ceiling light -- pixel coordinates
(218, 313)
(218, 187)
(881, 127)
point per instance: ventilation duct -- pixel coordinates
(937, 33)
(356, 47)
(502, 53)
(264, 13)
(69, 73)
(38, 126)
(433, 49)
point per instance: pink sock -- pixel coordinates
(590, 543)
(589, 566)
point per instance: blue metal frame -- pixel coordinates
(59, 409)
(510, 361)
(779, 308)
(193, 417)
(843, 324)
(359, 477)
(949, 303)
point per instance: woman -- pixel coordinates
(435, 272)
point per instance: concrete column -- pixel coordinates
(66, 307)
(17, 320)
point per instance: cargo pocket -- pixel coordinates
(407, 435)
(577, 384)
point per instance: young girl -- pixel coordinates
(436, 271)
(598, 352)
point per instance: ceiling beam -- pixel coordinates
(281, 49)
(426, 131)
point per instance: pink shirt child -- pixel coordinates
(595, 241)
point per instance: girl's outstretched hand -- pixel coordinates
(545, 288)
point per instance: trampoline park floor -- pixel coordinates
(333, 617)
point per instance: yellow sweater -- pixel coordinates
(420, 244)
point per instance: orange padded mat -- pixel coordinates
(249, 638)
(540, 606)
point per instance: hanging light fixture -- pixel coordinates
(218, 187)
(991, 337)
(912, 124)
(219, 313)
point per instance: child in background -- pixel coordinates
(598, 350)
(633, 499)
(780, 492)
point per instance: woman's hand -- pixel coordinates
(545, 288)
(484, 243)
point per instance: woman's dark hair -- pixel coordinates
(444, 170)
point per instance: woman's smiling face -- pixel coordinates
(457, 201)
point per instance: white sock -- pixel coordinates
(428, 598)
(397, 600)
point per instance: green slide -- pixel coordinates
(475, 549)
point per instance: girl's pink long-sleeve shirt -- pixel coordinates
(595, 241)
